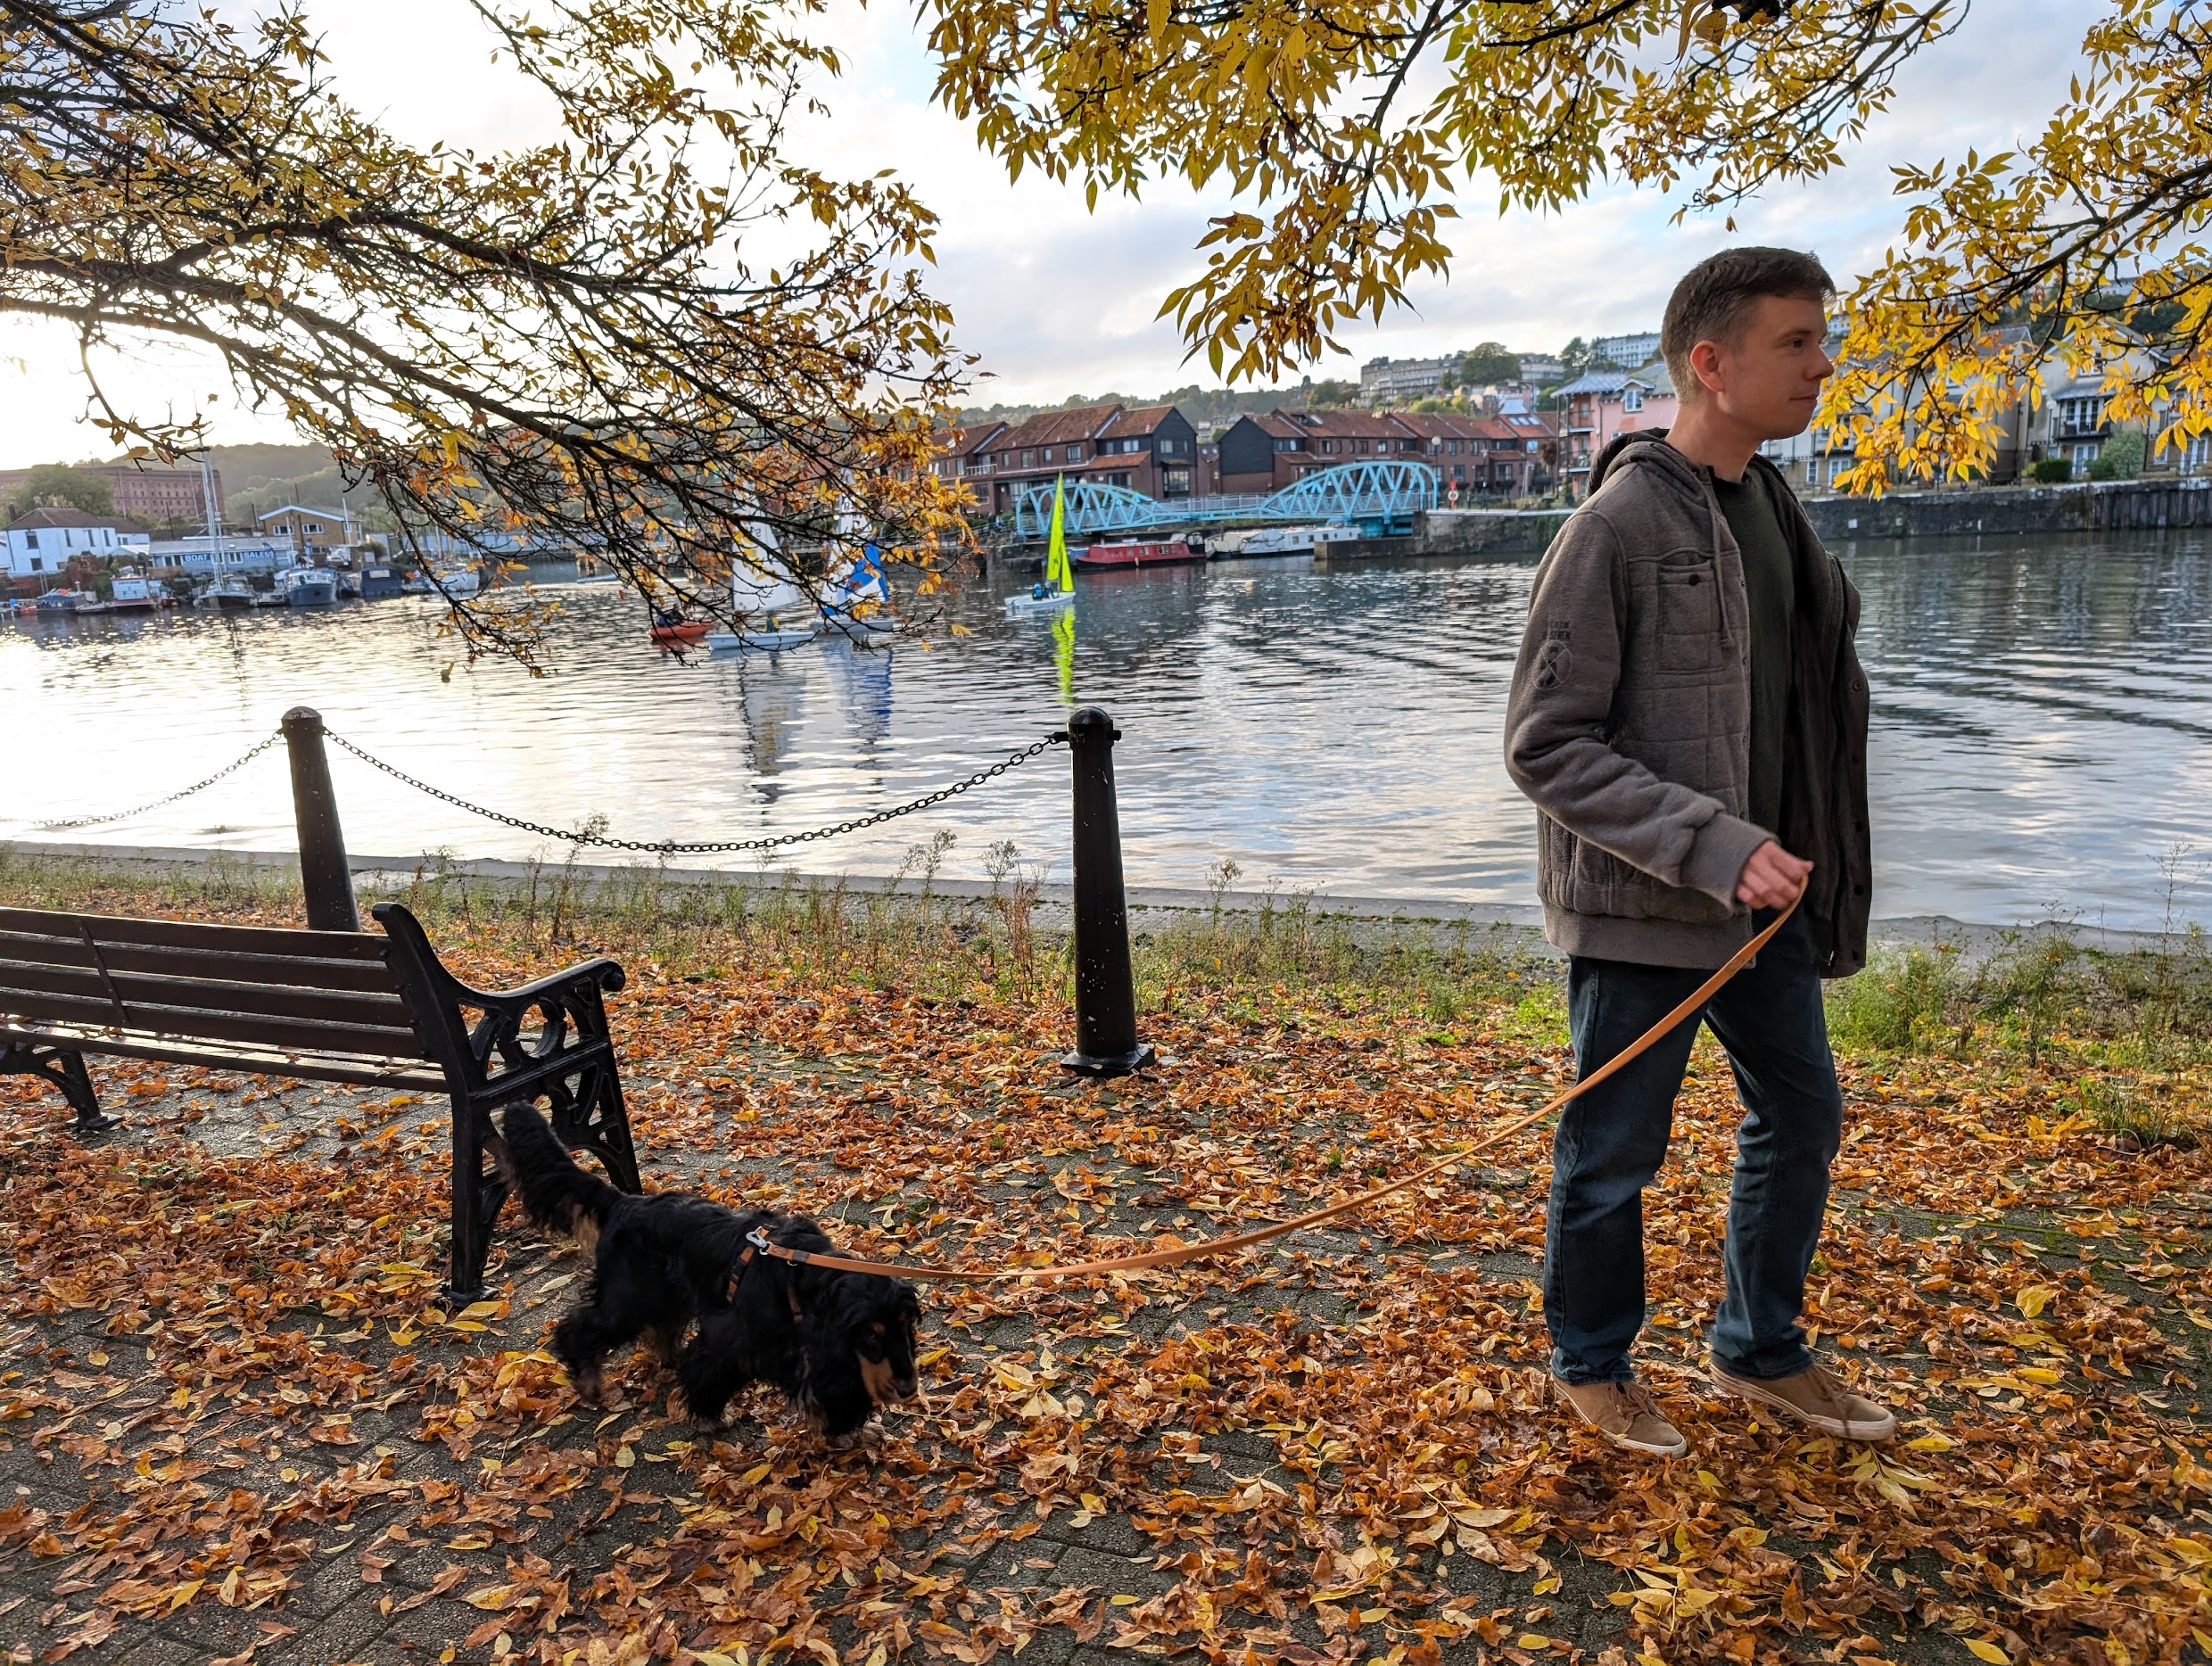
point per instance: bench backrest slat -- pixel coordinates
(295, 991)
(377, 1040)
(369, 977)
(179, 934)
(216, 996)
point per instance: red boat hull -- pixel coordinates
(690, 631)
(1109, 557)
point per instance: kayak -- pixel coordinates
(686, 631)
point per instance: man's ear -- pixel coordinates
(1705, 366)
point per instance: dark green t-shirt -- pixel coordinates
(1772, 586)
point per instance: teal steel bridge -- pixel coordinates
(1378, 496)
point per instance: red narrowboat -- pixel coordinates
(1137, 553)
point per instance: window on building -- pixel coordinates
(37, 564)
(2197, 456)
(31, 540)
(2077, 416)
(312, 527)
(1631, 399)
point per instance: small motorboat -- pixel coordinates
(65, 601)
(309, 587)
(232, 590)
(669, 628)
(378, 583)
(134, 593)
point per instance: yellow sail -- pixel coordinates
(1056, 574)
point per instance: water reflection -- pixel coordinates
(2043, 711)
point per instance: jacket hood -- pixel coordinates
(1650, 449)
(1647, 448)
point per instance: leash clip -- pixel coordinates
(755, 1242)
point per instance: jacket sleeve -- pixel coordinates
(1557, 720)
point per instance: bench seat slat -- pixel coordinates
(305, 1035)
(367, 976)
(247, 1061)
(335, 1007)
(180, 933)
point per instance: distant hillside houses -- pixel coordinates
(1387, 381)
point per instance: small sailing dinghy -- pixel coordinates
(859, 607)
(1056, 593)
(772, 611)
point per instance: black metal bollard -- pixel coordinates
(324, 875)
(1106, 1043)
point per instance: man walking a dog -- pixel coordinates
(1690, 717)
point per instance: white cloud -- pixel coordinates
(1057, 300)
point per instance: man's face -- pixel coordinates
(1770, 379)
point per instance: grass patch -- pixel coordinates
(2132, 1028)
(1263, 967)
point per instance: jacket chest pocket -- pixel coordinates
(1689, 609)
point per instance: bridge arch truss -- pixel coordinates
(1380, 493)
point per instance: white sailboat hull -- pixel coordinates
(761, 639)
(1028, 606)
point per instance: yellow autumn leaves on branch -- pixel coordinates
(1350, 129)
(582, 341)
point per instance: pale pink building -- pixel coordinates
(1600, 404)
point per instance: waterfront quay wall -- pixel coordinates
(2104, 505)
(2101, 506)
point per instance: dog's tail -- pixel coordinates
(555, 1193)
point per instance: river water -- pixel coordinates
(2042, 744)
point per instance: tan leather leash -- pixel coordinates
(758, 1238)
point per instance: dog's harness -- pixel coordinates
(1174, 1254)
(758, 1243)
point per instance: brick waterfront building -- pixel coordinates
(150, 494)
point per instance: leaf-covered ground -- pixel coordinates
(235, 1421)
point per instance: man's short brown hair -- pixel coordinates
(1714, 300)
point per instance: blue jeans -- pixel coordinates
(1611, 1142)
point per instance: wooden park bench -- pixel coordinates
(324, 1006)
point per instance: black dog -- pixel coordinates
(840, 1344)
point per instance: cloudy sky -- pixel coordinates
(1057, 301)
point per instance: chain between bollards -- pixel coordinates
(1106, 1040)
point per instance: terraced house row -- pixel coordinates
(1155, 450)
